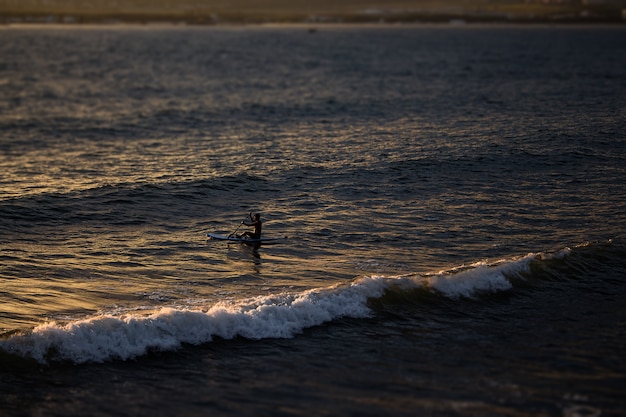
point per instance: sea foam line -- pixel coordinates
(107, 337)
(479, 277)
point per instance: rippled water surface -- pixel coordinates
(449, 202)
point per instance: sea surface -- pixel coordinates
(449, 203)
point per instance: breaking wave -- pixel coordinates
(109, 337)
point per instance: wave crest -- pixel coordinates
(106, 337)
(124, 336)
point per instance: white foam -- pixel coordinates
(479, 277)
(107, 337)
(125, 336)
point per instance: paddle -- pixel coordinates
(242, 222)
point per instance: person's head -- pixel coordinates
(257, 216)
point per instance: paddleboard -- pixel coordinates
(216, 236)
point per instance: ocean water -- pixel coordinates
(450, 203)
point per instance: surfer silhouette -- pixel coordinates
(256, 222)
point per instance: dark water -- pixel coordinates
(450, 203)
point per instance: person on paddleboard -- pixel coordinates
(256, 222)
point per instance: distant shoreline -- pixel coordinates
(322, 19)
(310, 27)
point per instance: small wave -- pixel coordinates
(109, 203)
(107, 337)
(124, 336)
(480, 277)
